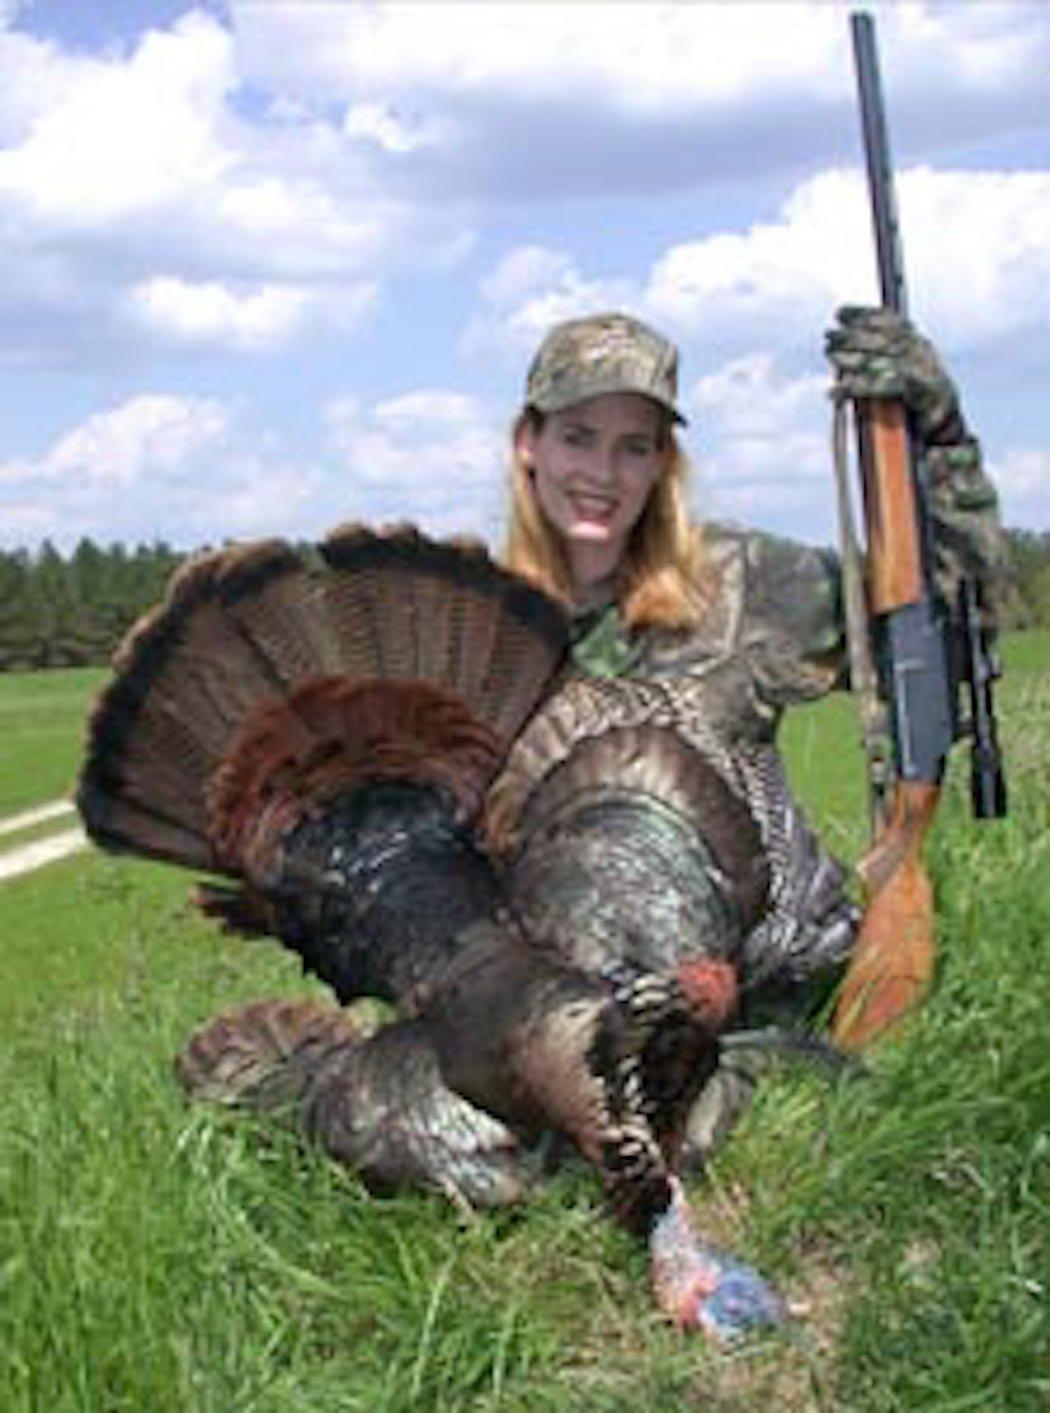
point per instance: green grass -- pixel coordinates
(41, 733)
(158, 1256)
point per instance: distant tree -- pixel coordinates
(1039, 595)
(57, 612)
(1026, 602)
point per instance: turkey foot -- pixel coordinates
(699, 1287)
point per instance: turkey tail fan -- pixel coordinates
(444, 612)
(295, 756)
(186, 677)
(262, 643)
(582, 709)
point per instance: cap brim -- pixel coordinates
(602, 389)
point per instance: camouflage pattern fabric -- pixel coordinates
(603, 353)
(776, 620)
(878, 353)
(967, 532)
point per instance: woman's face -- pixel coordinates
(594, 466)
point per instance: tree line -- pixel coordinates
(72, 611)
(58, 611)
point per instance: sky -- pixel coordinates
(270, 266)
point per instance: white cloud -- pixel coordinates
(158, 466)
(153, 434)
(751, 400)
(763, 444)
(640, 98)
(250, 320)
(35, 76)
(979, 248)
(126, 137)
(200, 185)
(211, 312)
(392, 131)
(138, 191)
(977, 252)
(792, 270)
(195, 470)
(643, 56)
(531, 288)
(977, 255)
(431, 456)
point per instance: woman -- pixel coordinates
(737, 625)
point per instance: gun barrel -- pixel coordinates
(880, 168)
(911, 643)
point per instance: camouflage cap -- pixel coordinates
(602, 353)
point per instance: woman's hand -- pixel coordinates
(878, 353)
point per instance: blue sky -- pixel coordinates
(267, 266)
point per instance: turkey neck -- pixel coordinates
(612, 1064)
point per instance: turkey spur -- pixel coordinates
(320, 730)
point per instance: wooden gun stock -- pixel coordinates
(893, 958)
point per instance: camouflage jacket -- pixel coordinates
(772, 635)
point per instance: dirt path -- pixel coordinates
(23, 858)
(39, 815)
(41, 851)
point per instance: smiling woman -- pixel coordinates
(593, 468)
(598, 478)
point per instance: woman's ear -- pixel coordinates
(525, 442)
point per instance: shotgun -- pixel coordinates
(910, 654)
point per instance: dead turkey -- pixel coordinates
(368, 742)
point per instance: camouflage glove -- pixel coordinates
(967, 534)
(878, 353)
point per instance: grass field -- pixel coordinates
(41, 733)
(158, 1257)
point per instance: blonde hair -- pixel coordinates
(661, 581)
